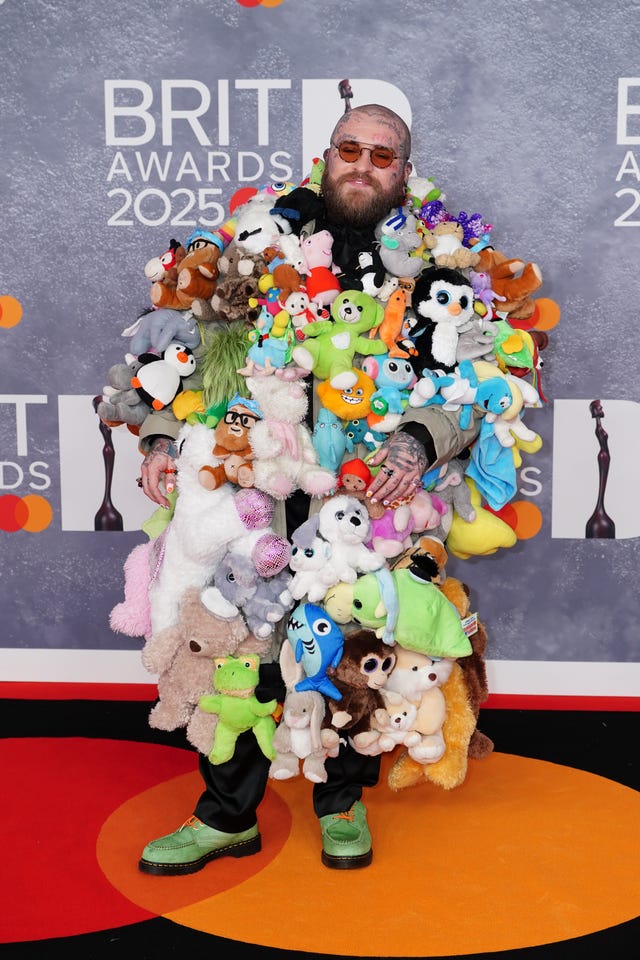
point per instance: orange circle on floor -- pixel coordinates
(525, 852)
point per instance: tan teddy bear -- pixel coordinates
(444, 243)
(188, 649)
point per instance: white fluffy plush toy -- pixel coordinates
(204, 525)
(345, 524)
(285, 458)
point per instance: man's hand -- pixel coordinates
(158, 467)
(404, 461)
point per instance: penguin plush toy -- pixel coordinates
(442, 304)
(159, 379)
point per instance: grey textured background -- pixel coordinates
(514, 115)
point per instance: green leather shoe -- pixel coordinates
(193, 845)
(346, 840)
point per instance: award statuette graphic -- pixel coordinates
(600, 525)
(107, 517)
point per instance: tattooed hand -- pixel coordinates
(403, 460)
(159, 461)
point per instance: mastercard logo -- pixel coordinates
(31, 513)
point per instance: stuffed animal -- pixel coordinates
(237, 284)
(513, 282)
(349, 403)
(285, 458)
(458, 725)
(330, 347)
(473, 667)
(158, 380)
(321, 283)
(299, 735)
(258, 224)
(232, 446)
(363, 670)
(394, 378)
(309, 562)
(423, 619)
(192, 644)
(133, 615)
(390, 329)
(197, 276)
(164, 268)
(203, 525)
(329, 440)
(391, 529)
(399, 239)
(354, 476)
(262, 601)
(237, 708)
(344, 523)
(396, 722)
(418, 678)
(121, 403)
(154, 330)
(443, 304)
(444, 243)
(317, 643)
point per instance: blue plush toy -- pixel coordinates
(329, 440)
(317, 642)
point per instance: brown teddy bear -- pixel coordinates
(196, 281)
(188, 649)
(239, 274)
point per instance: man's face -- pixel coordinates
(359, 194)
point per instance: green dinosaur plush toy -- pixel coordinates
(237, 707)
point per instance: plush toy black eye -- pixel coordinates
(309, 552)
(294, 550)
(357, 604)
(393, 366)
(414, 668)
(443, 297)
(370, 665)
(464, 302)
(230, 578)
(387, 663)
(340, 515)
(321, 626)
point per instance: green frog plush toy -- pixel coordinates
(237, 707)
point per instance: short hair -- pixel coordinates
(376, 111)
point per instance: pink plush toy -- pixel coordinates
(390, 530)
(427, 511)
(321, 283)
(285, 458)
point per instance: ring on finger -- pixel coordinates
(387, 470)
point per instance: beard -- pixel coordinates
(355, 208)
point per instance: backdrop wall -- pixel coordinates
(122, 127)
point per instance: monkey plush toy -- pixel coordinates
(361, 673)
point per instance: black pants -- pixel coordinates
(233, 790)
